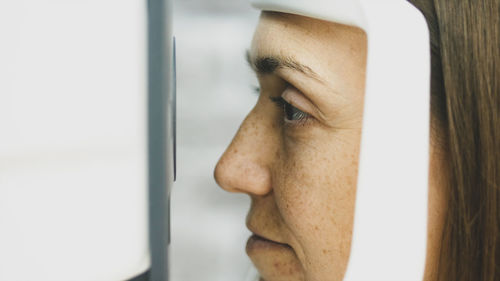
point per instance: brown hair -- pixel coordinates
(465, 97)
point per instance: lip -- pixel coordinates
(252, 226)
(259, 243)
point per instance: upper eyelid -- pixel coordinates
(258, 90)
(281, 102)
(286, 79)
(314, 114)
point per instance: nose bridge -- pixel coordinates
(244, 166)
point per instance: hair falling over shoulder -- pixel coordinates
(465, 46)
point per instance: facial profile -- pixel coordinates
(296, 154)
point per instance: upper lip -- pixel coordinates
(257, 233)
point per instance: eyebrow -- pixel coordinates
(269, 64)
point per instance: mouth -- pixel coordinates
(258, 243)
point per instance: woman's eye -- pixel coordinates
(293, 114)
(290, 112)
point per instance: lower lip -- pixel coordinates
(257, 243)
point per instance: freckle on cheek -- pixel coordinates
(350, 182)
(286, 267)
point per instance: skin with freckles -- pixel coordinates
(296, 154)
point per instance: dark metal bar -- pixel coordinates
(142, 277)
(160, 134)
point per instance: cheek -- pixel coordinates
(315, 193)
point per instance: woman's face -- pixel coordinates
(296, 154)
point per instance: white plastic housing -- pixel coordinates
(390, 226)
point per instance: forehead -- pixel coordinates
(278, 30)
(334, 51)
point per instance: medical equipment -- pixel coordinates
(82, 140)
(162, 133)
(390, 225)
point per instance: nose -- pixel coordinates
(245, 166)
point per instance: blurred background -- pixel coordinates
(214, 95)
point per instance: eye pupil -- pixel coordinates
(292, 113)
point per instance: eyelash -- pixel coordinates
(295, 118)
(282, 104)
